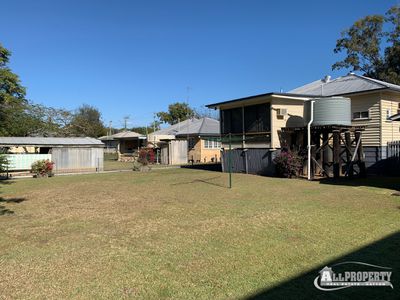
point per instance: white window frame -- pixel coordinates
(360, 118)
(211, 144)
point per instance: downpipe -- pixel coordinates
(309, 141)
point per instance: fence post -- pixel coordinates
(336, 154)
(230, 160)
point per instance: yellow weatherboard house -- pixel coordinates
(193, 140)
(256, 121)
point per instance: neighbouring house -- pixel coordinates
(68, 154)
(192, 140)
(256, 121)
(125, 143)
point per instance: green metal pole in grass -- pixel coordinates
(230, 161)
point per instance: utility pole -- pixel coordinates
(126, 118)
(154, 137)
(188, 117)
(109, 128)
(154, 123)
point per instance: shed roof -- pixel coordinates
(50, 141)
(349, 84)
(202, 127)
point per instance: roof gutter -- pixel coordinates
(274, 95)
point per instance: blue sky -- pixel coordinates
(135, 57)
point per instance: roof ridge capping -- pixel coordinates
(380, 82)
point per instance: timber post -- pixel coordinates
(360, 154)
(336, 154)
(325, 152)
(350, 169)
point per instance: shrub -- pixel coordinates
(288, 164)
(42, 168)
(3, 162)
(145, 157)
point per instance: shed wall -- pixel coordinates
(177, 152)
(77, 159)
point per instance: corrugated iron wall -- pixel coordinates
(77, 159)
(178, 152)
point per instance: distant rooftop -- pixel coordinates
(49, 141)
(122, 135)
(202, 127)
(349, 84)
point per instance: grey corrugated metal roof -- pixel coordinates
(204, 126)
(348, 84)
(127, 134)
(122, 135)
(49, 141)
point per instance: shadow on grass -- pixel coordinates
(206, 181)
(216, 167)
(3, 209)
(391, 183)
(385, 252)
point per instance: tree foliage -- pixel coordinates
(86, 121)
(372, 46)
(147, 129)
(204, 111)
(177, 112)
(3, 162)
(13, 105)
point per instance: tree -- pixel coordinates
(13, 105)
(203, 111)
(86, 121)
(392, 54)
(177, 112)
(147, 129)
(49, 121)
(3, 162)
(370, 49)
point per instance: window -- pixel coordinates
(207, 144)
(257, 118)
(212, 144)
(398, 108)
(231, 121)
(361, 115)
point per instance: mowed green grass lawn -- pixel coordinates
(183, 234)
